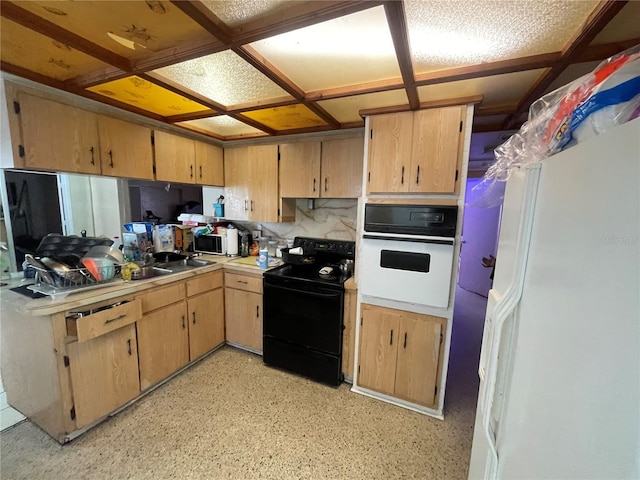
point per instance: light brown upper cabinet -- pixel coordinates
(251, 184)
(331, 169)
(416, 152)
(175, 158)
(236, 191)
(58, 137)
(184, 160)
(300, 170)
(125, 149)
(209, 164)
(341, 168)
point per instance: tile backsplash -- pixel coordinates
(329, 218)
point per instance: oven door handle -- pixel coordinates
(311, 293)
(409, 239)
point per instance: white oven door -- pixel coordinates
(410, 269)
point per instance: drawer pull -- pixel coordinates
(129, 346)
(244, 282)
(114, 319)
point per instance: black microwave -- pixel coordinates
(211, 243)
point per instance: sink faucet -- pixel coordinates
(148, 257)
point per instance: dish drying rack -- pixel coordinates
(58, 285)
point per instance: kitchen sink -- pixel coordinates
(175, 266)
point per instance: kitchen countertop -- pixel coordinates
(12, 301)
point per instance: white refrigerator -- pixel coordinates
(559, 370)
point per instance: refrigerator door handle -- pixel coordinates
(506, 306)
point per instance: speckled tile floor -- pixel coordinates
(232, 417)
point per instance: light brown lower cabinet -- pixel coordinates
(349, 332)
(206, 322)
(163, 339)
(243, 310)
(104, 374)
(400, 353)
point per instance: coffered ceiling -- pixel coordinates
(240, 69)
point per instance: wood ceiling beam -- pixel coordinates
(252, 123)
(359, 89)
(121, 105)
(185, 117)
(399, 33)
(531, 62)
(599, 52)
(38, 24)
(449, 102)
(574, 48)
(490, 111)
(251, 56)
(29, 75)
(204, 17)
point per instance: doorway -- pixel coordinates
(480, 228)
(34, 210)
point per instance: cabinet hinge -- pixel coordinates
(456, 175)
(460, 125)
(66, 360)
(360, 321)
(153, 168)
(21, 150)
(153, 139)
(16, 107)
(371, 133)
(358, 368)
(435, 391)
(278, 155)
(278, 212)
(441, 339)
(72, 413)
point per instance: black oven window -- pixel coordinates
(413, 262)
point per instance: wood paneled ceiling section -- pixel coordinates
(241, 69)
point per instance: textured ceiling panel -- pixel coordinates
(236, 12)
(223, 125)
(27, 49)
(286, 118)
(225, 78)
(497, 90)
(624, 26)
(125, 27)
(346, 109)
(454, 33)
(352, 49)
(147, 96)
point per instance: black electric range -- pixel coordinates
(303, 311)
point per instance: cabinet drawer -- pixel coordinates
(204, 283)
(243, 282)
(162, 297)
(104, 321)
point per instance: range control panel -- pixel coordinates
(312, 246)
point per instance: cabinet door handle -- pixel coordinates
(257, 311)
(402, 177)
(325, 183)
(194, 317)
(418, 176)
(191, 171)
(314, 184)
(201, 171)
(391, 338)
(114, 319)
(129, 346)
(405, 339)
(110, 158)
(93, 160)
(243, 282)
(245, 205)
(183, 324)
